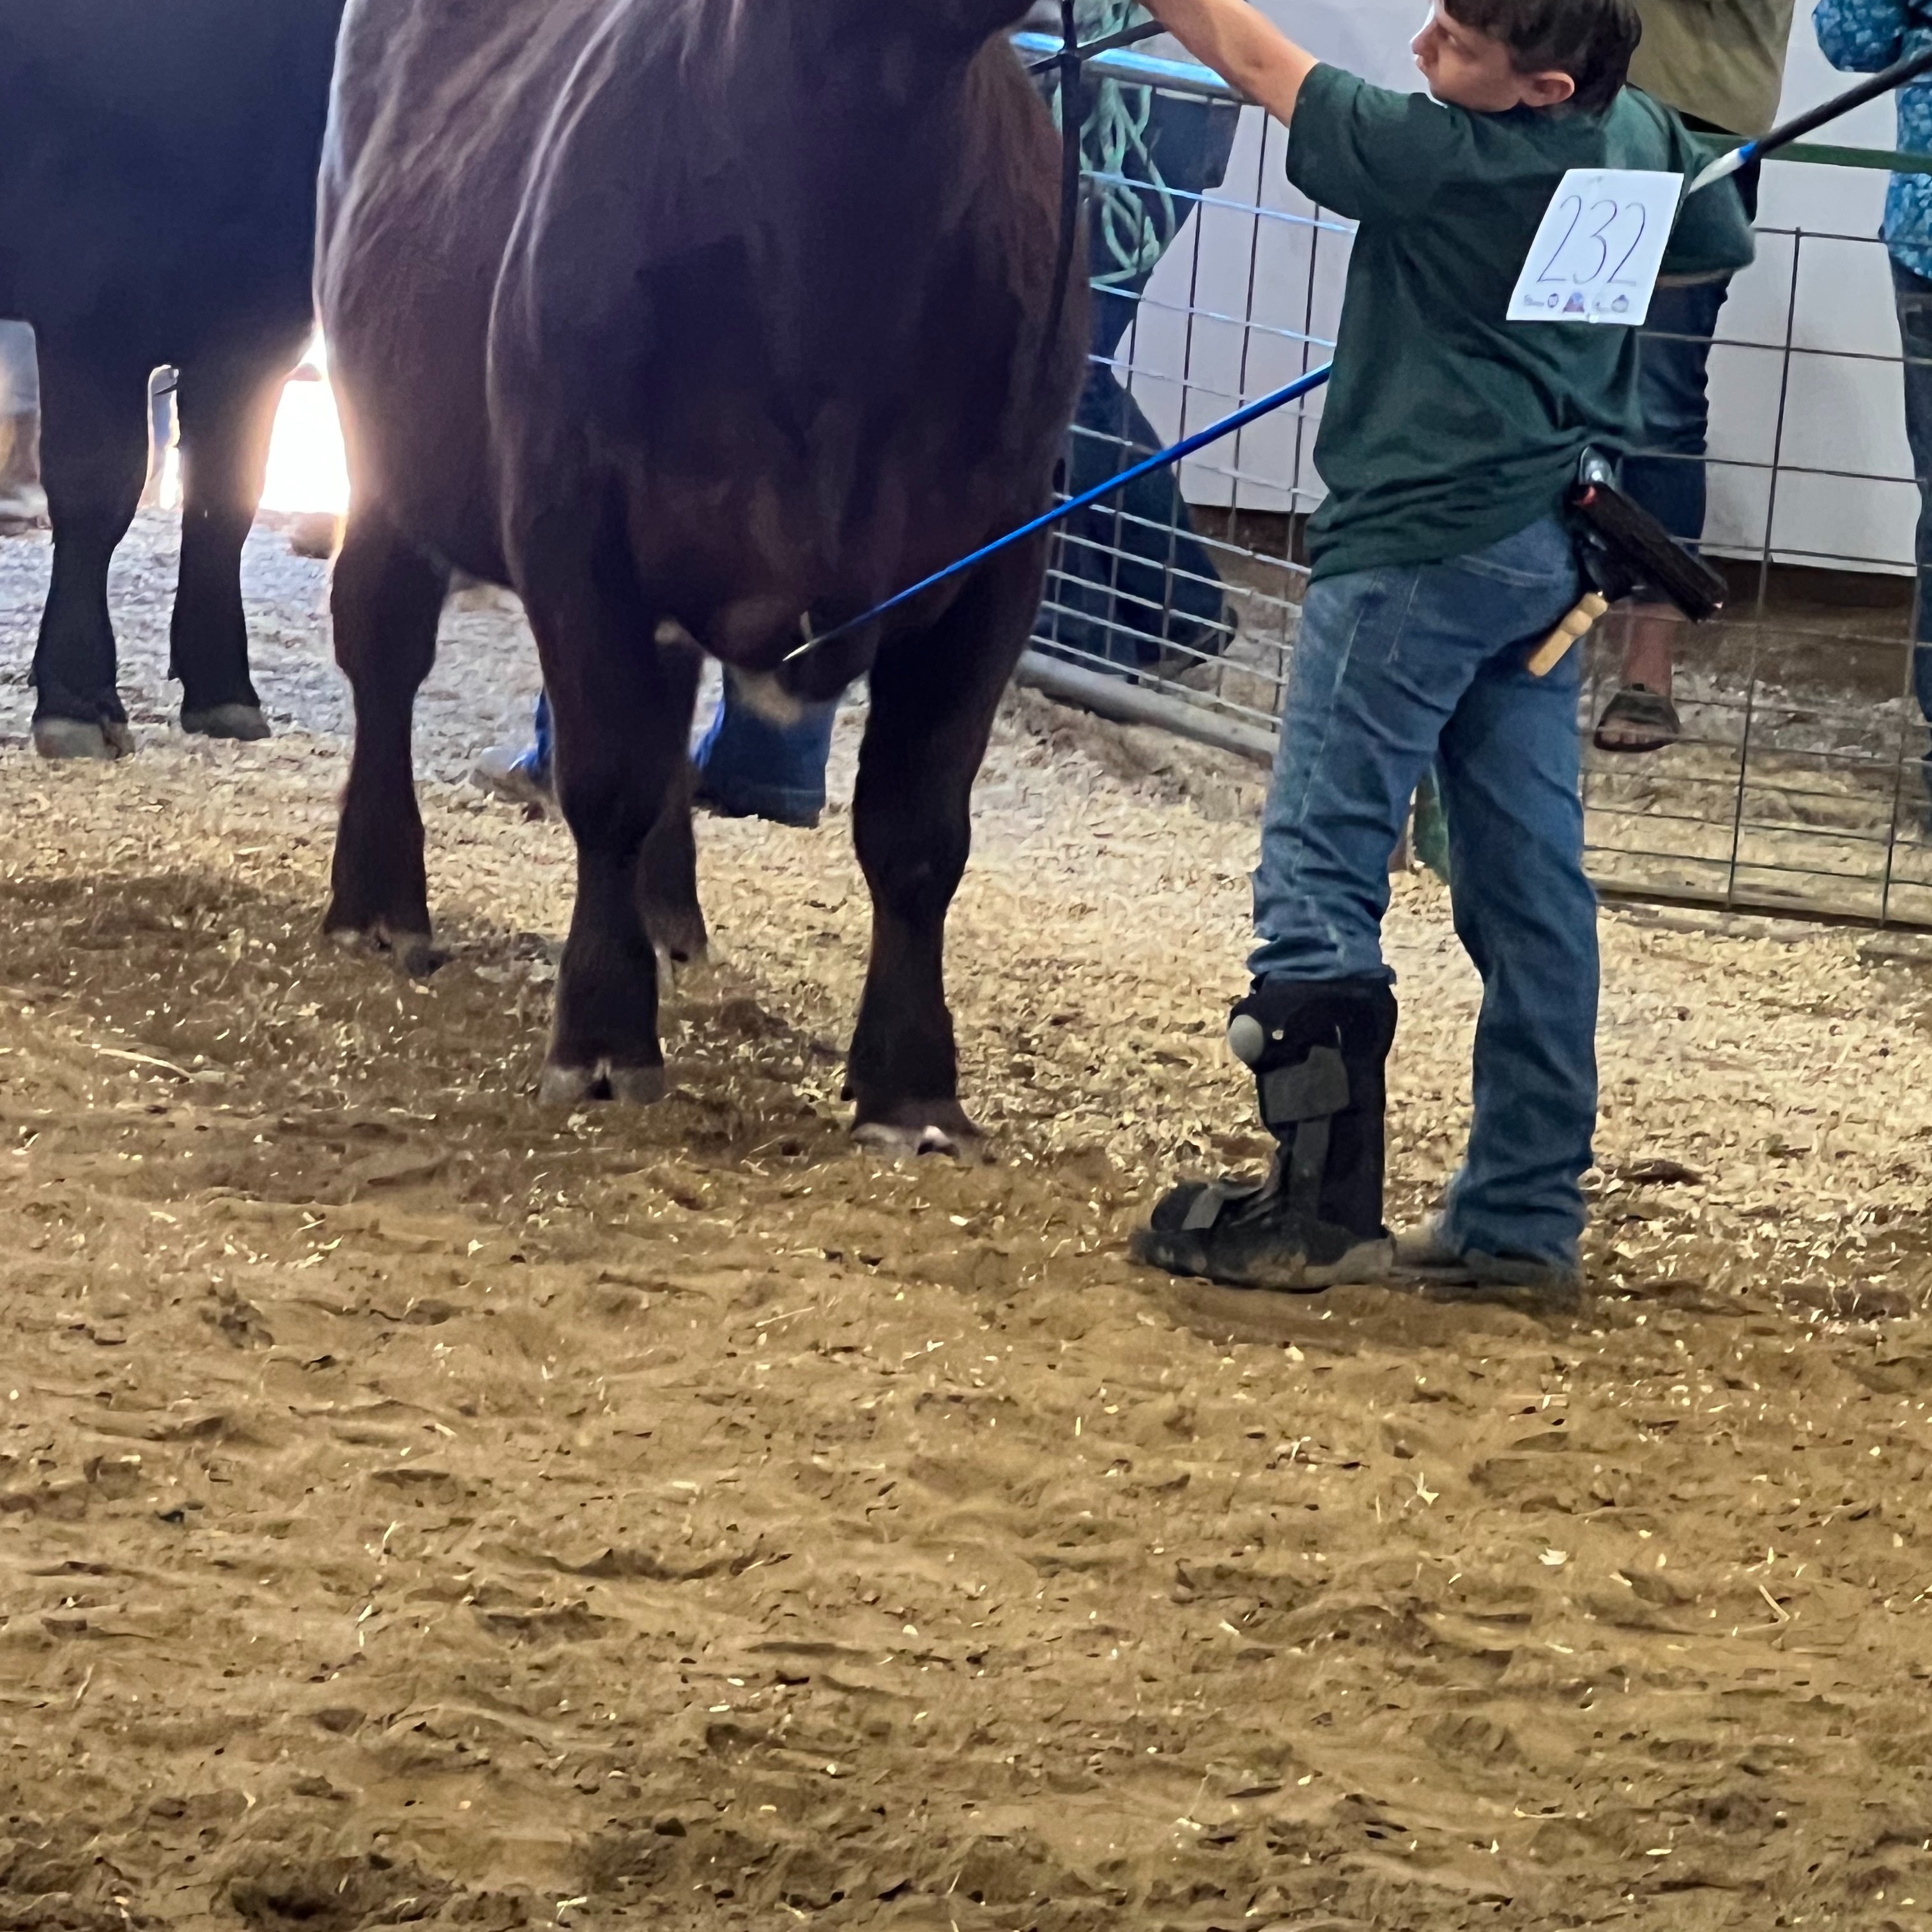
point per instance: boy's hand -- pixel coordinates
(1245, 48)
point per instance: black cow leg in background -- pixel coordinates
(386, 598)
(621, 704)
(94, 461)
(933, 701)
(227, 411)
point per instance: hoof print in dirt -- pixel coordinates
(624, 1086)
(243, 723)
(65, 740)
(1543, 1302)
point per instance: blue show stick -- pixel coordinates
(1898, 75)
(1303, 386)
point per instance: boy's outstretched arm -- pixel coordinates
(1242, 46)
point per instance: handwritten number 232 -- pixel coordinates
(1611, 211)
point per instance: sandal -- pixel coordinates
(1646, 720)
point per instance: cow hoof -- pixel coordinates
(935, 1127)
(580, 1086)
(687, 970)
(242, 722)
(70, 738)
(415, 954)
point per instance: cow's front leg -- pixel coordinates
(621, 704)
(934, 697)
(227, 410)
(94, 460)
(386, 598)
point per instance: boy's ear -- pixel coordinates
(1550, 89)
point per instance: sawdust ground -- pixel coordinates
(415, 1508)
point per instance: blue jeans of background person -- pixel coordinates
(747, 765)
(1673, 383)
(1393, 668)
(1913, 294)
(1668, 478)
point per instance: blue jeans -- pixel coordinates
(747, 766)
(1673, 386)
(1395, 668)
(1667, 477)
(1913, 295)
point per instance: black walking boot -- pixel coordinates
(1319, 1049)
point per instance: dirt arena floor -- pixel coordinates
(417, 1510)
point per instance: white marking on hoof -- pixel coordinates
(897, 1143)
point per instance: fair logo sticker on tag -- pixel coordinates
(1600, 248)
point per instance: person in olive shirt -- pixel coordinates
(1720, 65)
(1440, 562)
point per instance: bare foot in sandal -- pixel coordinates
(1641, 717)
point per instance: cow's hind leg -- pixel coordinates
(621, 704)
(934, 697)
(227, 407)
(386, 598)
(94, 461)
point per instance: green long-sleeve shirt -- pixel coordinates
(1447, 427)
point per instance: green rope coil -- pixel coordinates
(1133, 234)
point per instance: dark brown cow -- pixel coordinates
(695, 320)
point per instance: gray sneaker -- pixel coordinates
(508, 771)
(1425, 1257)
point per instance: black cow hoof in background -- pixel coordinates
(576, 1086)
(72, 738)
(243, 722)
(921, 1126)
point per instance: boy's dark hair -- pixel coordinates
(1591, 41)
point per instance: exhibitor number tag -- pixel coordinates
(1600, 248)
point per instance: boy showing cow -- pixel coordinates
(1440, 561)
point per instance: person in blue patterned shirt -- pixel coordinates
(1862, 36)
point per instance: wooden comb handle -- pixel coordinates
(1573, 629)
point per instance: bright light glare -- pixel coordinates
(307, 468)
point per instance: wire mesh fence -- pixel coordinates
(1799, 783)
